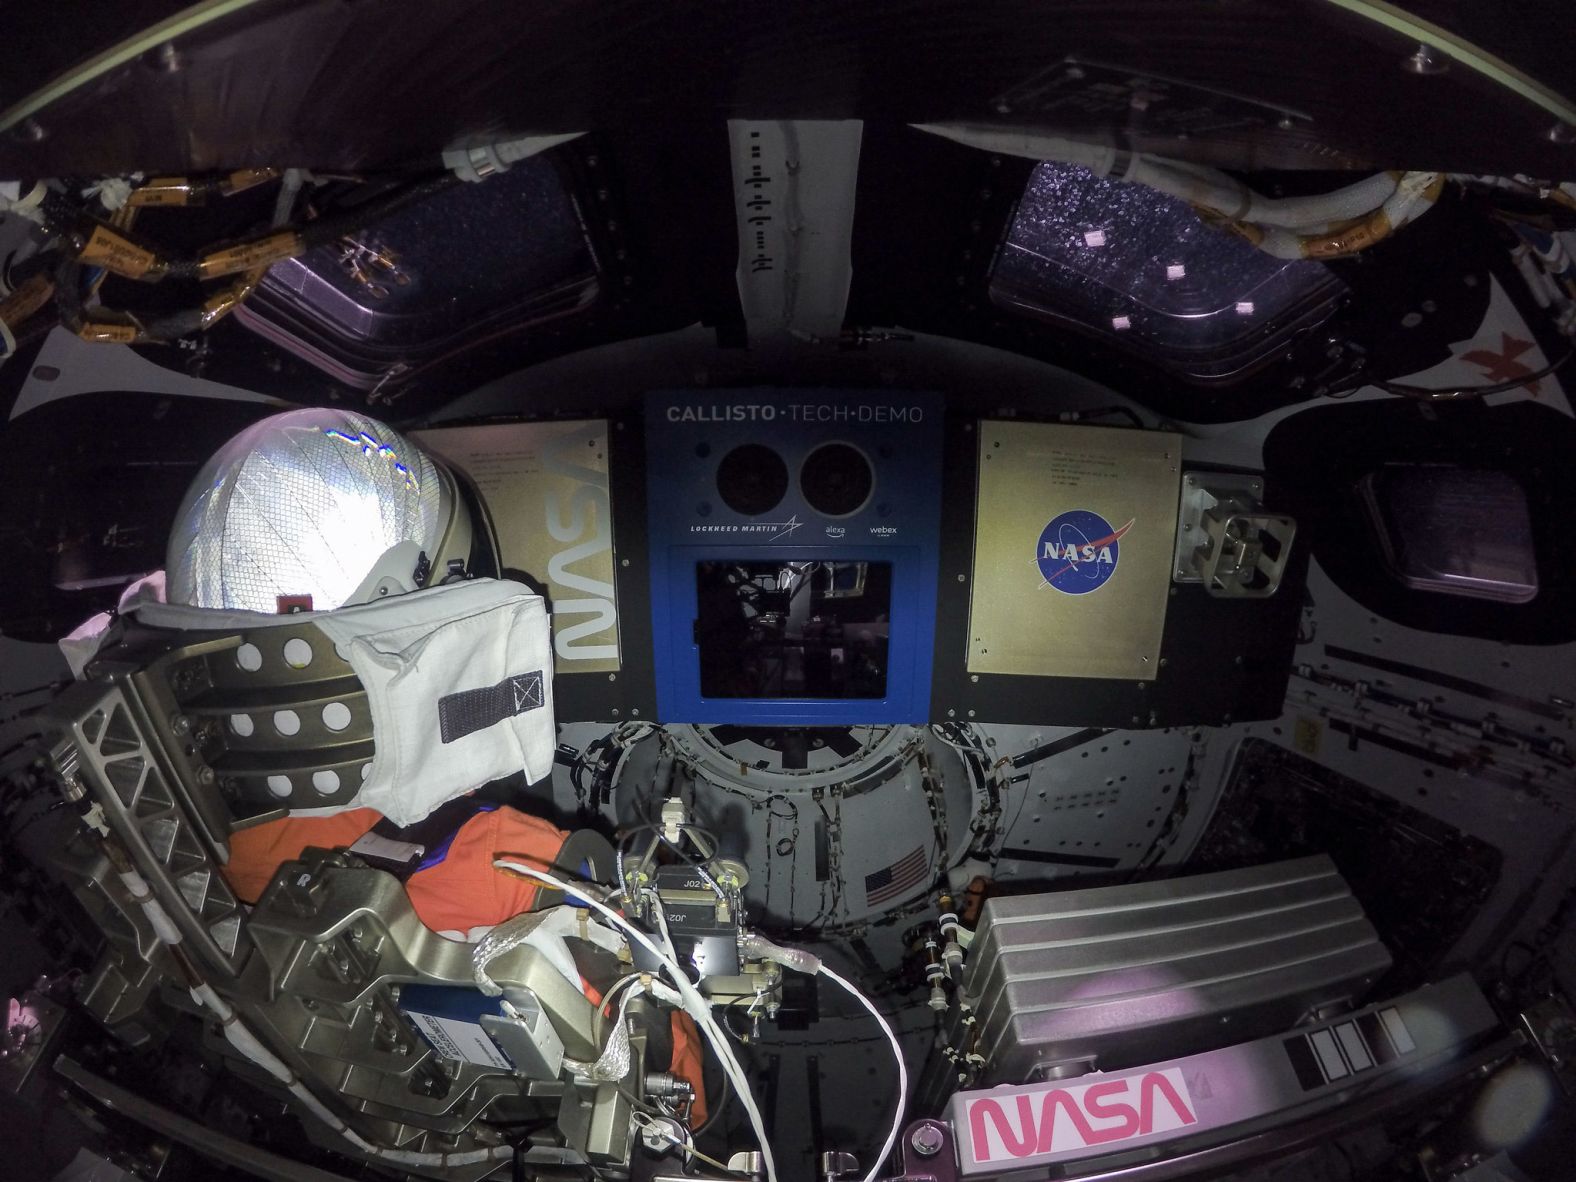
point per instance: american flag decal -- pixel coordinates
(903, 875)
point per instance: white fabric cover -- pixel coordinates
(411, 652)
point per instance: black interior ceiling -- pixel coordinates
(331, 83)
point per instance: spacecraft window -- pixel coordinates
(791, 628)
(1453, 530)
(1144, 271)
(435, 270)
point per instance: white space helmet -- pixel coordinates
(321, 504)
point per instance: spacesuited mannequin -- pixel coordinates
(317, 510)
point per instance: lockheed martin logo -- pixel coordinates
(774, 529)
(783, 528)
(1078, 551)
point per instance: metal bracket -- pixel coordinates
(1226, 541)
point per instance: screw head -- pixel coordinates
(927, 1140)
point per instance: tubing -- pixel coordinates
(1321, 226)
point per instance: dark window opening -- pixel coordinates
(1453, 530)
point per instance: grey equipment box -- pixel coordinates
(1116, 976)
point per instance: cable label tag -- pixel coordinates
(247, 178)
(465, 1042)
(109, 250)
(247, 255)
(104, 332)
(163, 190)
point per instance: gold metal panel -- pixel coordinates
(547, 489)
(1046, 486)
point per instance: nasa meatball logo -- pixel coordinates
(1078, 551)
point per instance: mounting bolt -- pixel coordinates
(927, 1140)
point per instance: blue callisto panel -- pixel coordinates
(794, 538)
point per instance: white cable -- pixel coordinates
(902, 1068)
(694, 1004)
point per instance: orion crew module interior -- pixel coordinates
(944, 592)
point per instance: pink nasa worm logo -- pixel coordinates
(1078, 551)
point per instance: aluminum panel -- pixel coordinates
(1103, 975)
(1073, 535)
(546, 485)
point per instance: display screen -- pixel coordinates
(793, 629)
